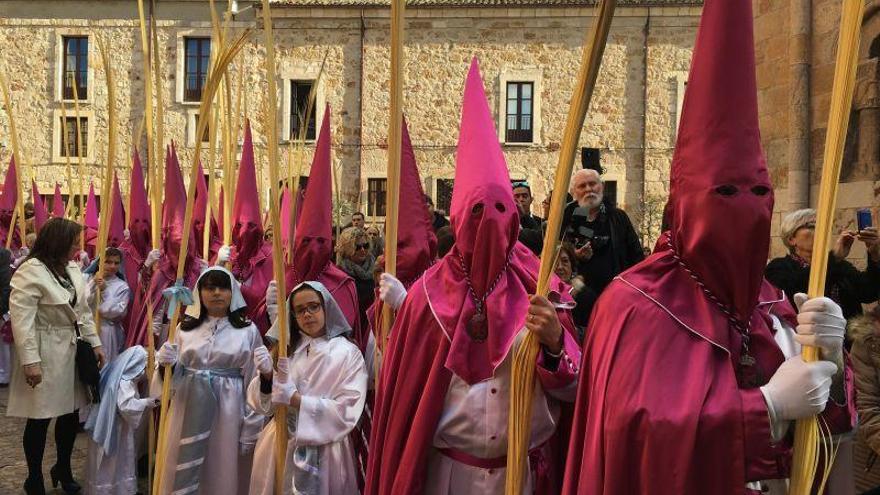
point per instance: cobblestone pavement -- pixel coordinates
(13, 469)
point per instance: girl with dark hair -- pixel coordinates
(324, 382)
(115, 298)
(212, 353)
(47, 303)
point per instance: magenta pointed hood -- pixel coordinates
(91, 220)
(416, 242)
(247, 223)
(117, 221)
(8, 200)
(139, 220)
(41, 214)
(485, 221)
(173, 212)
(312, 240)
(58, 202)
(720, 197)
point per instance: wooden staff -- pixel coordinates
(523, 370)
(809, 440)
(156, 57)
(395, 125)
(277, 253)
(106, 189)
(16, 153)
(224, 58)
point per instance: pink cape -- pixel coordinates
(412, 389)
(648, 420)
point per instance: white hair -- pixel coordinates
(586, 171)
(793, 221)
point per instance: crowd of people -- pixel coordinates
(679, 372)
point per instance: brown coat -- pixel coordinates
(866, 363)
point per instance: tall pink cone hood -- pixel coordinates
(91, 219)
(312, 239)
(58, 202)
(481, 181)
(721, 199)
(117, 220)
(139, 220)
(247, 223)
(200, 209)
(174, 208)
(10, 191)
(416, 242)
(41, 214)
(486, 224)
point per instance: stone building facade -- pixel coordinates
(632, 121)
(796, 43)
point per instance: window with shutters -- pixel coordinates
(518, 122)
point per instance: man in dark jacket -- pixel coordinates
(438, 220)
(844, 283)
(606, 242)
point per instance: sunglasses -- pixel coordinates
(365, 245)
(521, 183)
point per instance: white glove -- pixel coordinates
(24, 251)
(262, 360)
(84, 258)
(167, 354)
(798, 389)
(272, 300)
(223, 255)
(150, 402)
(152, 257)
(283, 387)
(126, 234)
(391, 291)
(821, 324)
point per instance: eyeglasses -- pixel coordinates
(311, 308)
(365, 245)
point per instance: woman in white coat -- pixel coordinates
(324, 382)
(47, 303)
(209, 424)
(115, 296)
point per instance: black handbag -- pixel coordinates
(87, 366)
(85, 361)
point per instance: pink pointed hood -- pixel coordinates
(173, 212)
(486, 223)
(41, 214)
(247, 223)
(416, 242)
(91, 219)
(117, 220)
(139, 220)
(200, 210)
(718, 168)
(312, 240)
(8, 199)
(58, 202)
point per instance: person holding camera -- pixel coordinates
(845, 284)
(605, 241)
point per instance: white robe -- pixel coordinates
(114, 306)
(215, 344)
(474, 421)
(117, 474)
(331, 377)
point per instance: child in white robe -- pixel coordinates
(115, 298)
(112, 426)
(324, 383)
(209, 423)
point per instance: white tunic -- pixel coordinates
(213, 345)
(474, 421)
(114, 306)
(116, 475)
(331, 377)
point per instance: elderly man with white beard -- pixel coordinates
(605, 241)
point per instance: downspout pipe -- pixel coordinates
(799, 49)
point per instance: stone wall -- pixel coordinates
(632, 119)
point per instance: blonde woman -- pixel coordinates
(357, 261)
